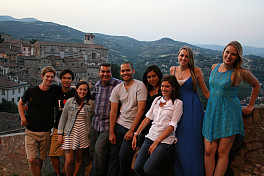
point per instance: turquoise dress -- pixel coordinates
(223, 116)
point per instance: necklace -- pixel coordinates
(181, 73)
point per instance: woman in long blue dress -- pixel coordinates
(223, 117)
(189, 150)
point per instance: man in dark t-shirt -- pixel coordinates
(39, 120)
(65, 92)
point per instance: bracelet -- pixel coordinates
(136, 133)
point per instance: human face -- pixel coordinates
(66, 80)
(153, 78)
(183, 58)
(48, 78)
(105, 74)
(166, 89)
(230, 55)
(82, 91)
(126, 72)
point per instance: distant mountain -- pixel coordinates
(246, 49)
(9, 18)
(161, 52)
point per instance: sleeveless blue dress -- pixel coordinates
(189, 150)
(223, 116)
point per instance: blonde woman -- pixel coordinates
(189, 150)
(223, 117)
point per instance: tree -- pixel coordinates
(32, 41)
(115, 71)
(8, 106)
(1, 39)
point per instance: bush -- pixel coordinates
(8, 106)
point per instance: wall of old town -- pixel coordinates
(246, 157)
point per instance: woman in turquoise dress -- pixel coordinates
(223, 117)
(189, 150)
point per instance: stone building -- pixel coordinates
(11, 90)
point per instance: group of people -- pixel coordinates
(163, 110)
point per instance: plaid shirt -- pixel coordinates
(102, 109)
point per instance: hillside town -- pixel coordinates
(22, 61)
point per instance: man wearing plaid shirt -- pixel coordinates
(99, 146)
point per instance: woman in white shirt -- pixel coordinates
(165, 111)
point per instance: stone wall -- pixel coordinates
(246, 156)
(13, 161)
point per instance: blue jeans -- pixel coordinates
(121, 154)
(99, 151)
(149, 164)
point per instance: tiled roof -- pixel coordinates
(12, 64)
(7, 83)
(9, 123)
(63, 44)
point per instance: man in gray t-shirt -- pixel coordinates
(130, 96)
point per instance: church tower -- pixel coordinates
(89, 38)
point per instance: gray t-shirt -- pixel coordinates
(128, 99)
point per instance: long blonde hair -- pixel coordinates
(191, 65)
(238, 62)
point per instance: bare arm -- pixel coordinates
(141, 127)
(21, 111)
(200, 79)
(168, 130)
(113, 117)
(252, 80)
(141, 109)
(172, 70)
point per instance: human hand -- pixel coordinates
(152, 147)
(129, 134)
(247, 110)
(24, 122)
(134, 142)
(60, 139)
(25, 107)
(112, 138)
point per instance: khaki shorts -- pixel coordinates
(37, 144)
(55, 148)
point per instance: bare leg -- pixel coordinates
(55, 163)
(69, 158)
(225, 145)
(35, 165)
(78, 161)
(209, 156)
(63, 170)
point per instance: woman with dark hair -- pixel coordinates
(223, 116)
(151, 78)
(165, 111)
(189, 150)
(75, 125)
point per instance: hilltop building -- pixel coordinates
(83, 58)
(11, 89)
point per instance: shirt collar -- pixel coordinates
(111, 82)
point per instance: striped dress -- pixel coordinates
(78, 139)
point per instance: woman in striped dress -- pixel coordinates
(75, 125)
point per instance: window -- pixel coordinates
(51, 51)
(3, 92)
(18, 90)
(18, 98)
(93, 55)
(13, 100)
(13, 91)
